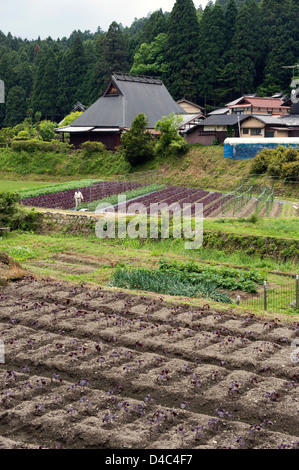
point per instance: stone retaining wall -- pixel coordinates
(65, 222)
(80, 223)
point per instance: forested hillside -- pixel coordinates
(209, 56)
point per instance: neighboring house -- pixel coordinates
(268, 132)
(216, 126)
(247, 116)
(191, 108)
(79, 107)
(251, 104)
(125, 97)
(259, 125)
(218, 111)
(189, 122)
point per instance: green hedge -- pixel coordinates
(33, 145)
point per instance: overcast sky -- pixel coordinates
(58, 18)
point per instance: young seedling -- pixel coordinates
(198, 430)
(163, 376)
(108, 418)
(272, 396)
(195, 380)
(234, 389)
(182, 433)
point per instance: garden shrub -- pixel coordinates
(290, 170)
(90, 148)
(282, 162)
(22, 135)
(15, 216)
(260, 162)
(33, 145)
(47, 130)
(137, 142)
(170, 140)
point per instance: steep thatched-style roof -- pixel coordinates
(125, 97)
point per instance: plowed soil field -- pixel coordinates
(86, 368)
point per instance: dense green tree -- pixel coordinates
(155, 24)
(45, 86)
(280, 24)
(16, 106)
(77, 68)
(114, 55)
(230, 17)
(23, 74)
(182, 50)
(245, 50)
(71, 75)
(64, 100)
(151, 58)
(225, 3)
(137, 143)
(212, 47)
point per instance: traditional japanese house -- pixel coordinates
(125, 97)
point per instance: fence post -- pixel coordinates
(265, 295)
(297, 291)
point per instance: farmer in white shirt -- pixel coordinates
(78, 198)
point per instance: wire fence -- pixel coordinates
(258, 196)
(277, 300)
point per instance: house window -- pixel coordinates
(256, 131)
(269, 134)
(245, 131)
(112, 91)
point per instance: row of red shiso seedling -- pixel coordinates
(65, 199)
(177, 195)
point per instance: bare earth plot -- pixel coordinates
(87, 368)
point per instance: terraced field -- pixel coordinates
(95, 369)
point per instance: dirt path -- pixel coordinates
(87, 368)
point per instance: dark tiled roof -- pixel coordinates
(135, 95)
(223, 120)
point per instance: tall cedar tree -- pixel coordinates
(230, 17)
(114, 55)
(156, 24)
(44, 95)
(77, 68)
(225, 3)
(72, 71)
(15, 106)
(245, 49)
(212, 47)
(226, 91)
(182, 50)
(280, 26)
